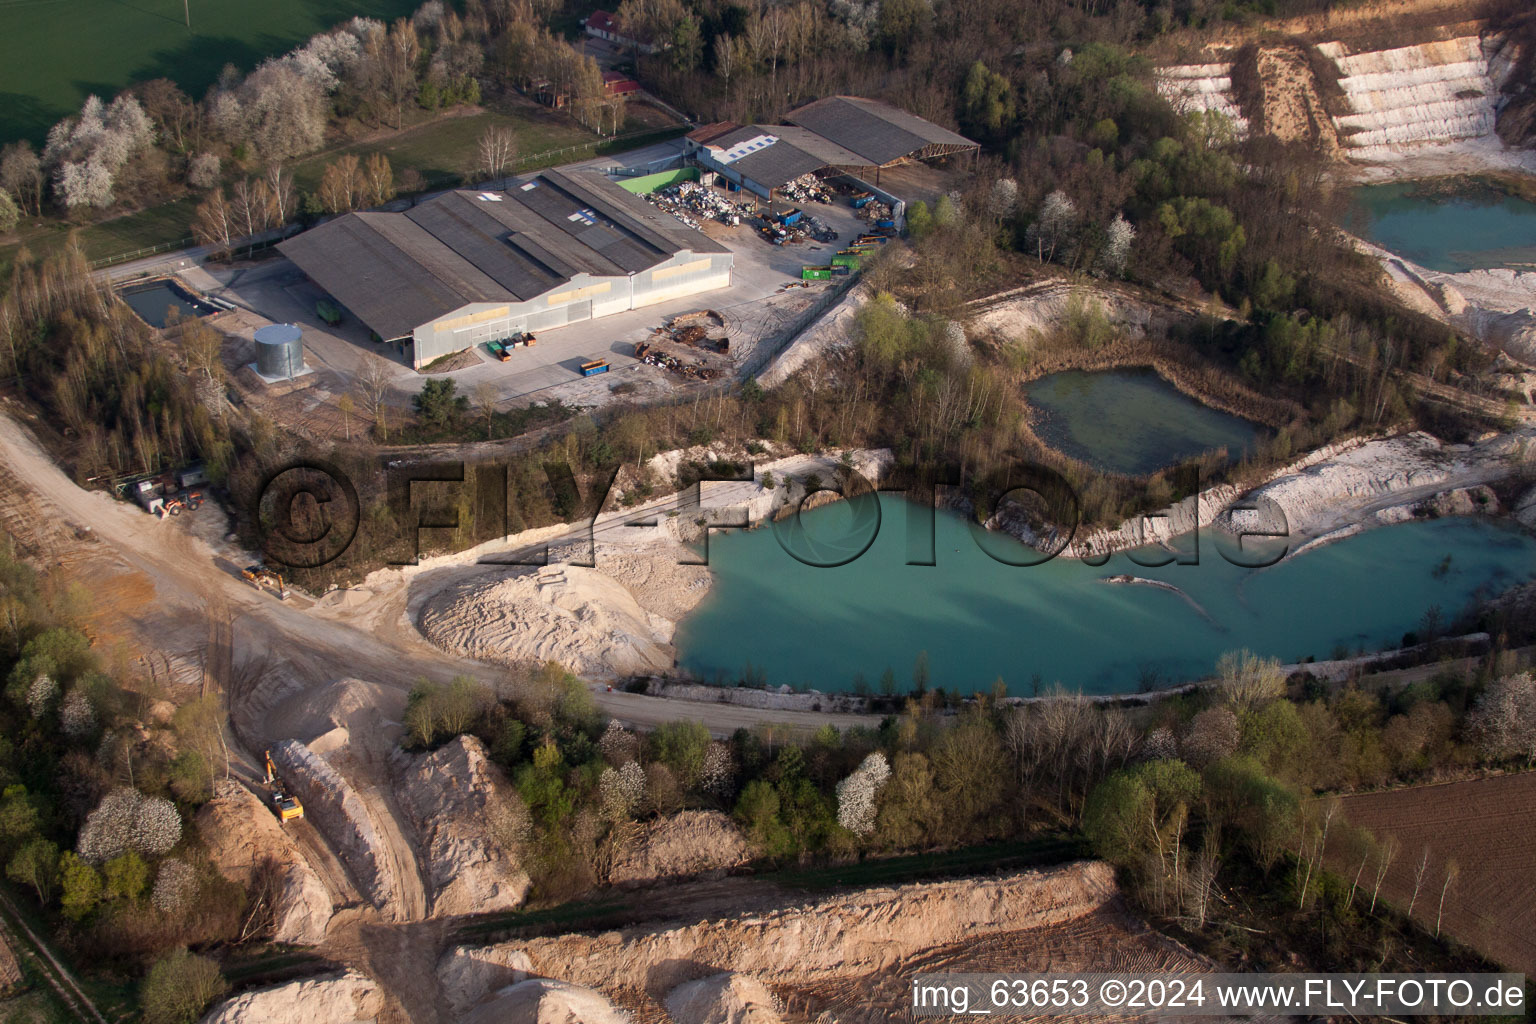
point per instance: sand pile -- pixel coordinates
(1379, 474)
(543, 1001)
(455, 797)
(243, 835)
(341, 814)
(346, 998)
(684, 844)
(723, 999)
(579, 617)
(842, 936)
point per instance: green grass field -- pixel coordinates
(53, 53)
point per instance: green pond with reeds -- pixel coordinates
(1130, 421)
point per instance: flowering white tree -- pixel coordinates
(1003, 199)
(175, 886)
(128, 820)
(1117, 247)
(1504, 718)
(1053, 230)
(856, 794)
(42, 693)
(956, 347)
(203, 170)
(718, 776)
(618, 744)
(87, 151)
(156, 826)
(621, 790)
(77, 717)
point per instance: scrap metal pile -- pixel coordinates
(796, 226)
(875, 212)
(692, 330)
(807, 189)
(693, 204)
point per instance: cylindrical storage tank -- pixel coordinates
(280, 350)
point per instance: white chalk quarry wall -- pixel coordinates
(1443, 91)
(1201, 87)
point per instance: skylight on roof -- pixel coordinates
(530, 186)
(489, 197)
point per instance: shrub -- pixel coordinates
(179, 987)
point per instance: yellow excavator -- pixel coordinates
(260, 576)
(286, 805)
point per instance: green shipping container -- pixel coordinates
(845, 261)
(815, 273)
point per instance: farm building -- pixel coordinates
(470, 267)
(843, 134)
(603, 25)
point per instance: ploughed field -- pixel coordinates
(1485, 825)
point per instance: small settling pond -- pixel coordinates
(1473, 229)
(1130, 421)
(153, 302)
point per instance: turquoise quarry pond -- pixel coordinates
(979, 619)
(1476, 230)
(1130, 421)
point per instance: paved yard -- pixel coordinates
(755, 305)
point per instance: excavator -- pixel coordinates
(261, 576)
(286, 805)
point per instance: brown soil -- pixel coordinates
(1292, 109)
(1484, 825)
(1109, 939)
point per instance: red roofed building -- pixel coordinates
(603, 25)
(619, 84)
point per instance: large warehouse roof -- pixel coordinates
(878, 132)
(397, 271)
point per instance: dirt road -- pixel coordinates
(277, 649)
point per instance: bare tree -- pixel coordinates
(486, 398)
(341, 185)
(1246, 680)
(378, 180)
(402, 47)
(1452, 872)
(214, 224)
(498, 152)
(373, 386)
(346, 406)
(249, 207)
(21, 174)
(1419, 871)
(280, 192)
(1386, 853)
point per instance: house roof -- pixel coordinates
(878, 132)
(397, 271)
(602, 21)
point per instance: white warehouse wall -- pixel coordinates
(584, 297)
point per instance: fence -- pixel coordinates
(128, 257)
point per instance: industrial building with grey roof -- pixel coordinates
(845, 134)
(470, 266)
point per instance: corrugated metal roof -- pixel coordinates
(762, 154)
(397, 271)
(876, 131)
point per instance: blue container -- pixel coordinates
(862, 201)
(885, 223)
